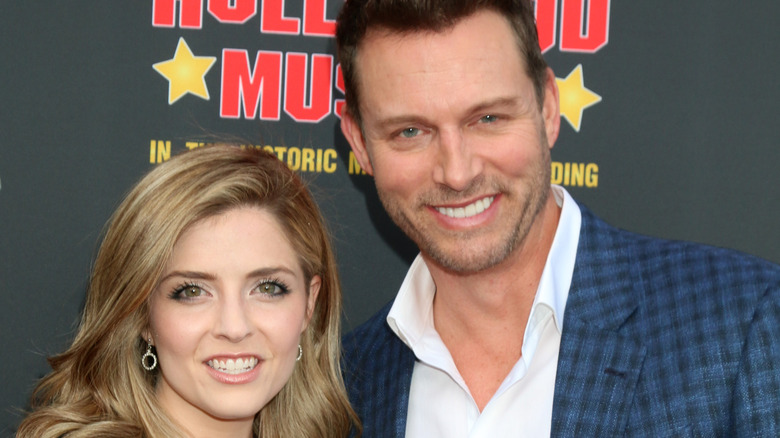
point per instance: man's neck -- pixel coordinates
(497, 292)
(481, 317)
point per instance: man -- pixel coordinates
(524, 314)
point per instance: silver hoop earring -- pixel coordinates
(149, 357)
(300, 353)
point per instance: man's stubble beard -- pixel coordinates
(466, 258)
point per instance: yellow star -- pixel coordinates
(186, 73)
(574, 97)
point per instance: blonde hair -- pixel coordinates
(98, 386)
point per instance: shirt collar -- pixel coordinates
(558, 270)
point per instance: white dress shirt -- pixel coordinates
(440, 404)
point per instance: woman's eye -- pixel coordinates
(409, 132)
(271, 288)
(192, 292)
(188, 292)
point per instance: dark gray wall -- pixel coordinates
(685, 139)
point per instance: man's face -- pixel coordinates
(455, 138)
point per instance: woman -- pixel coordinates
(213, 310)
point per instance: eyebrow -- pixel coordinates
(198, 275)
(499, 102)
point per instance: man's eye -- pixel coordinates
(489, 118)
(410, 132)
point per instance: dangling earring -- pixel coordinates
(300, 353)
(149, 355)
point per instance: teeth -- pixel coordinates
(231, 366)
(472, 209)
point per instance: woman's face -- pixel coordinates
(226, 318)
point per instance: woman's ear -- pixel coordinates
(146, 334)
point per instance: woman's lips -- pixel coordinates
(234, 366)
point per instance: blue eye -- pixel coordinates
(409, 132)
(489, 118)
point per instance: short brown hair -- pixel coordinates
(357, 17)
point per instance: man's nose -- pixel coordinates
(456, 164)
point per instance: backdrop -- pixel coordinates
(669, 129)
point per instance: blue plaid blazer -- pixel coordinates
(660, 339)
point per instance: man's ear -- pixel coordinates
(311, 301)
(551, 108)
(357, 142)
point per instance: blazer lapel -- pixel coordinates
(597, 375)
(600, 359)
(378, 377)
(400, 378)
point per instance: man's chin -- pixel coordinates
(465, 259)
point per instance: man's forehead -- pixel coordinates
(384, 38)
(471, 58)
(385, 32)
(384, 51)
